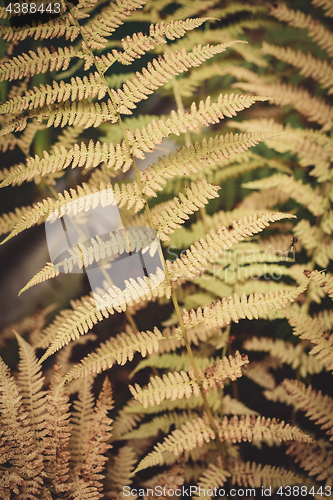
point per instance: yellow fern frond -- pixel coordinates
(256, 475)
(179, 385)
(83, 198)
(207, 249)
(256, 305)
(137, 45)
(313, 108)
(160, 71)
(119, 349)
(309, 66)
(133, 239)
(300, 20)
(91, 311)
(40, 61)
(313, 329)
(287, 353)
(325, 4)
(211, 479)
(235, 430)
(169, 217)
(316, 406)
(194, 158)
(325, 281)
(302, 193)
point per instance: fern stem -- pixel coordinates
(147, 209)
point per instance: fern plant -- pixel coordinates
(225, 277)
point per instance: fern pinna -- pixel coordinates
(80, 114)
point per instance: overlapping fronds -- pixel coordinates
(207, 113)
(118, 474)
(160, 423)
(207, 249)
(56, 454)
(213, 477)
(234, 430)
(300, 20)
(313, 329)
(287, 353)
(257, 475)
(83, 198)
(302, 193)
(30, 383)
(92, 311)
(131, 239)
(179, 385)
(234, 308)
(313, 108)
(17, 442)
(40, 61)
(95, 30)
(308, 65)
(134, 47)
(119, 349)
(196, 157)
(87, 472)
(316, 406)
(314, 458)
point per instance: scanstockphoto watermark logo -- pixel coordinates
(196, 491)
(88, 235)
(232, 266)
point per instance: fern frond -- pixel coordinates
(121, 241)
(309, 66)
(137, 45)
(40, 61)
(160, 423)
(235, 430)
(207, 249)
(314, 330)
(256, 475)
(30, 383)
(119, 349)
(17, 440)
(298, 19)
(314, 458)
(87, 475)
(324, 280)
(302, 193)
(325, 4)
(169, 217)
(313, 108)
(56, 454)
(80, 419)
(287, 353)
(213, 477)
(196, 157)
(83, 198)
(179, 385)
(89, 312)
(316, 406)
(223, 312)
(82, 113)
(119, 472)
